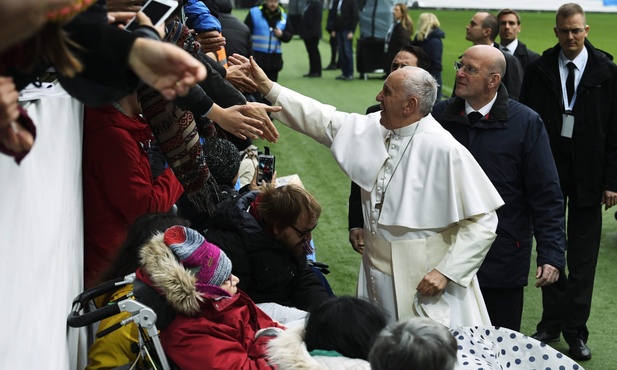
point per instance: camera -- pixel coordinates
(266, 166)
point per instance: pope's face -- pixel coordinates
(392, 102)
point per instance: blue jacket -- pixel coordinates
(512, 147)
(261, 27)
(199, 17)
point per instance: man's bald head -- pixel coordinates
(479, 75)
(489, 56)
(482, 29)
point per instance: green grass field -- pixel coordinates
(320, 174)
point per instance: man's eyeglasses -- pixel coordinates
(573, 31)
(468, 70)
(302, 234)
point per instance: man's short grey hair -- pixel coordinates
(414, 344)
(422, 86)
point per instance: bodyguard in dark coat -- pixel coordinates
(509, 28)
(310, 32)
(511, 145)
(264, 256)
(580, 115)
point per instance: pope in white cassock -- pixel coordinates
(429, 209)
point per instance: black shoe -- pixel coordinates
(344, 78)
(312, 75)
(331, 67)
(579, 350)
(546, 337)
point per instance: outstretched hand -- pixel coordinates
(260, 112)
(166, 67)
(264, 85)
(238, 76)
(210, 41)
(238, 120)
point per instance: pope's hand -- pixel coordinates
(432, 284)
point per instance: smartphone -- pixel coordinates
(266, 166)
(156, 10)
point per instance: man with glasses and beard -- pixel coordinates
(266, 235)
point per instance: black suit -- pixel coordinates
(524, 55)
(587, 165)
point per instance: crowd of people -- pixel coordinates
(170, 116)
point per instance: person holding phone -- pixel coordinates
(266, 234)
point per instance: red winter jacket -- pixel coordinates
(220, 337)
(117, 184)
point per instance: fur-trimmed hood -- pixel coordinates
(288, 351)
(169, 276)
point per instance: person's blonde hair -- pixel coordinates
(426, 23)
(406, 21)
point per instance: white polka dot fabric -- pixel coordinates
(484, 348)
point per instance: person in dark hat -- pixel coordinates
(224, 162)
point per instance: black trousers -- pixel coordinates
(333, 51)
(567, 303)
(314, 55)
(505, 306)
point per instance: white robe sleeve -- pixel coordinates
(469, 248)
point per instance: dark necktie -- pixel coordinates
(474, 117)
(570, 81)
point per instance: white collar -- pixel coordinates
(512, 46)
(484, 110)
(580, 61)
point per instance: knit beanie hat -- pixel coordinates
(66, 13)
(223, 160)
(208, 262)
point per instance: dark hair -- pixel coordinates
(493, 23)
(417, 344)
(507, 11)
(142, 229)
(347, 325)
(423, 60)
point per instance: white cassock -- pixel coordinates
(437, 207)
